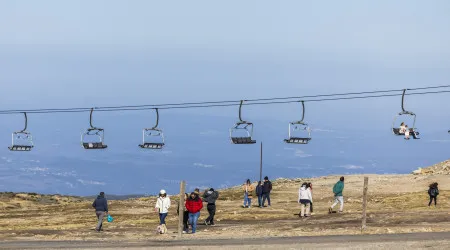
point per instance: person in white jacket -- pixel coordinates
(305, 199)
(162, 207)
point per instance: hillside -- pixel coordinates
(439, 168)
(397, 203)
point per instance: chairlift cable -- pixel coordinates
(229, 103)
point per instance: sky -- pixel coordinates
(59, 54)
(107, 52)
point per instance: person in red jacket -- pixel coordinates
(194, 204)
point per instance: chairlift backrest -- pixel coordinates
(22, 140)
(299, 138)
(242, 126)
(93, 131)
(152, 133)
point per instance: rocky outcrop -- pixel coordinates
(440, 168)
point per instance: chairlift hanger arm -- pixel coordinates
(303, 115)
(26, 122)
(303, 112)
(403, 100)
(240, 112)
(157, 119)
(90, 119)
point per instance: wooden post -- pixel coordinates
(364, 204)
(181, 208)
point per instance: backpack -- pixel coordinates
(434, 192)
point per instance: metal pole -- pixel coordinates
(181, 208)
(260, 164)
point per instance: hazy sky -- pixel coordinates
(86, 53)
(94, 53)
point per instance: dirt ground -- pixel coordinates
(396, 204)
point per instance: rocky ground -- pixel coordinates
(396, 204)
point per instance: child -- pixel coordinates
(406, 132)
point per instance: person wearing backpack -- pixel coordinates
(338, 197)
(433, 192)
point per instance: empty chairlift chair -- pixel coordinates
(396, 130)
(93, 137)
(153, 138)
(242, 131)
(299, 131)
(22, 140)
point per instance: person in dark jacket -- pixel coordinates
(210, 198)
(259, 193)
(101, 209)
(267, 188)
(194, 204)
(433, 192)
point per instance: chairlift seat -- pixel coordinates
(242, 140)
(20, 148)
(297, 140)
(94, 145)
(151, 145)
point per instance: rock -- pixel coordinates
(418, 171)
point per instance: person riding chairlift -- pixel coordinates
(407, 131)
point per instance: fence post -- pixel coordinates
(364, 204)
(181, 208)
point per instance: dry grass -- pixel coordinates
(397, 203)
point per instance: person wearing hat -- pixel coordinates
(210, 196)
(162, 207)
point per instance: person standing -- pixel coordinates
(267, 188)
(248, 193)
(194, 205)
(162, 207)
(101, 210)
(305, 199)
(338, 188)
(210, 198)
(433, 192)
(259, 192)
